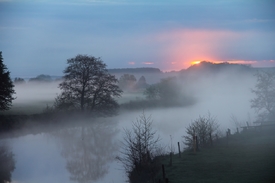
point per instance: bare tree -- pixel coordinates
(88, 86)
(264, 102)
(204, 127)
(140, 149)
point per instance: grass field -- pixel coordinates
(248, 157)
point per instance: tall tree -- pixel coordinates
(88, 86)
(264, 102)
(6, 86)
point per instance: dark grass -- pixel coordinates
(247, 157)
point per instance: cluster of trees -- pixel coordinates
(166, 90)
(19, 81)
(128, 82)
(42, 78)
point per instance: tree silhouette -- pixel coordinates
(127, 81)
(19, 81)
(264, 102)
(41, 78)
(87, 86)
(88, 150)
(168, 91)
(6, 86)
(141, 83)
(139, 151)
(204, 127)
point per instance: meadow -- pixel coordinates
(243, 157)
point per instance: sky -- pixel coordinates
(38, 36)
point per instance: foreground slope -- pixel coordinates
(246, 157)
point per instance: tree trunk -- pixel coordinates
(82, 99)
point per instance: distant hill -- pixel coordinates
(207, 69)
(218, 67)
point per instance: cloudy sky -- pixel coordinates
(38, 36)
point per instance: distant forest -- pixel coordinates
(135, 70)
(201, 69)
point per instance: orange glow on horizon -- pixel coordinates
(191, 46)
(195, 62)
(187, 47)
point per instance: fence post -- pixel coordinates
(170, 159)
(163, 172)
(179, 149)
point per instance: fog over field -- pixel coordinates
(222, 94)
(179, 63)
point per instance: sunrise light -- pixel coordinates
(195, 62)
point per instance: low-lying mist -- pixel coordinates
(34, 97)
(221, 94)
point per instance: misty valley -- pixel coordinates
(188, 124)
(147, 91)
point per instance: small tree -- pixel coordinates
(168, 91)
(140, 147)
(141, 83)
(264, 102)
(6, 86)
(127, 81)
(203, 128)
(152, 92)
(88, 86)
